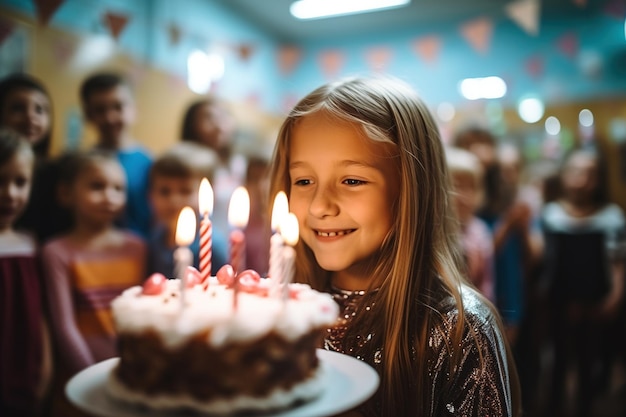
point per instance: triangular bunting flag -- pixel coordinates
(116, 23)
(63, 49)
(174, 33)
(253, 98)
(616, 8)
(46, 9)
(331, 62)
(568, 44)
(288, 57)
(245, 51)
(478, 33)
(428, 48)
(6, 28)
(535, 66)
(378, 58)
(526, 14)
(289, 101)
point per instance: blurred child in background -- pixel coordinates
(90, 265)
(109, 106)
(584, 265)
(26, 108)
(25, 367)
(476, 239)
(210, 123)
(174, 183)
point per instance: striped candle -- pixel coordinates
(205, 200)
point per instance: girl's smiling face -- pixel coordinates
(343, 189)
(27, 111)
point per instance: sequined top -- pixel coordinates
(477, 388)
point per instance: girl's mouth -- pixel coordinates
(335, 233)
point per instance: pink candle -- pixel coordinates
(291, 233)
(238, 214)
(280, 210)
(185, 235)
(206, 229)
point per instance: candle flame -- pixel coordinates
(289, 229)
(280, 209)
(239, 208)
(205, 197)
(186, 227)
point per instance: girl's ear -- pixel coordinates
(64, 195)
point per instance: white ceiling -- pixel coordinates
(273, 16)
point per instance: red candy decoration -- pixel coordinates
(249, 280)
(154, 285)
(193, 277)
(226, 275)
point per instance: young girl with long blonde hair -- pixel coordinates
(364, 168)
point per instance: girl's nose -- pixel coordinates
(323, 203)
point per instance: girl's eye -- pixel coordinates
(302, 182)
(352, 181)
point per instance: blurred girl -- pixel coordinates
(93, 263)
(209, 122)
(476, 239)
(25, 368)
(364, 168)
(585, 266)
(26, 108)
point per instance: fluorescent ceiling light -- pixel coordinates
(316, 9)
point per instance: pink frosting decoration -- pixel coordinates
(154, 285)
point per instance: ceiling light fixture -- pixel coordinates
(317, 9)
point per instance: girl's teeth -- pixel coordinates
(331, 234)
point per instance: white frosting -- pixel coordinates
(278, 398)
(254, 317)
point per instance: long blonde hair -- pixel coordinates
(417, 265)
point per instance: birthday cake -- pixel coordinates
(220, 346)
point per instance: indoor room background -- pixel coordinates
(567, 55)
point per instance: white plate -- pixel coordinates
(348, 383)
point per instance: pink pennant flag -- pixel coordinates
(46, 9)
(568, 44)
(174, 33)
(378, 58)
(428, 48)
(6, 29)
(526, 14)
(288, 58)
(289, 101)
(616, 8)
(116, 23)
(331, 62)
(245, 51)
(478, 33)
(535, 66)
(63, 49)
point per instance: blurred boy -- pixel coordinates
(109, 106)
(174, 183)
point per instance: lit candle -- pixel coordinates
(279, 212)
(183, 257)
(290, 232)
(206, 229)
(238, 214)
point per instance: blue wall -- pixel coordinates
(210, 25)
